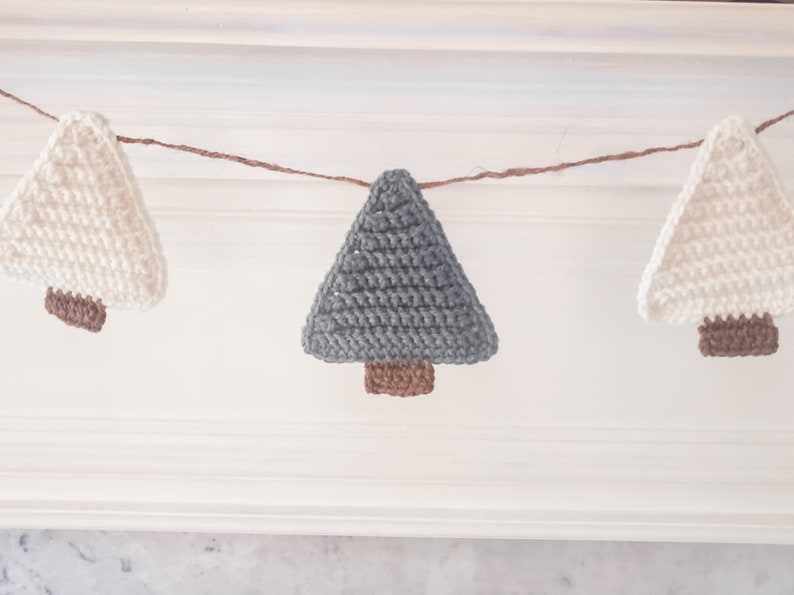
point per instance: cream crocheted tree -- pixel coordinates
(76, 223)
(726, 253)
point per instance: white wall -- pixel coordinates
(204, 413)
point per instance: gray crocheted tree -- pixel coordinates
(396, 297)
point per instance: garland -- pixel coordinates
(396, 297)
(513, 172)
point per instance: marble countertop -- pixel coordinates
(86, 562)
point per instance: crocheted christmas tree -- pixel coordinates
(76, 223)
(726, 253)
(396, 297)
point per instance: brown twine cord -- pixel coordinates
(240, 159)
(36, 109)
(513, 172)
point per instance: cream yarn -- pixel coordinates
(727, 247)
(77, 221)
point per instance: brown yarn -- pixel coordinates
(741, 336)
(36, 109)
(513, 172)
(79, 311)
(517, 172)
(399, 378)
(240, 159)
(772, 121)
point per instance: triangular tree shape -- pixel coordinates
(77, 224)
(726, 253)
(396, 296)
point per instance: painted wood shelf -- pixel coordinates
(204, 413)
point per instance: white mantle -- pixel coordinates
(204, 413)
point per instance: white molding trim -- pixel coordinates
(205, 414)
(583, 483)
(417, 25)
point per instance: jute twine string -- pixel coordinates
(513, 172)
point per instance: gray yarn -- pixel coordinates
(396, 290)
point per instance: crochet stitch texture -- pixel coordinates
(77, 222)
(396, 290)
(727, 247)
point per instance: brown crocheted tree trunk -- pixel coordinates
(76, 310)
(732, 337)
(400, 378)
